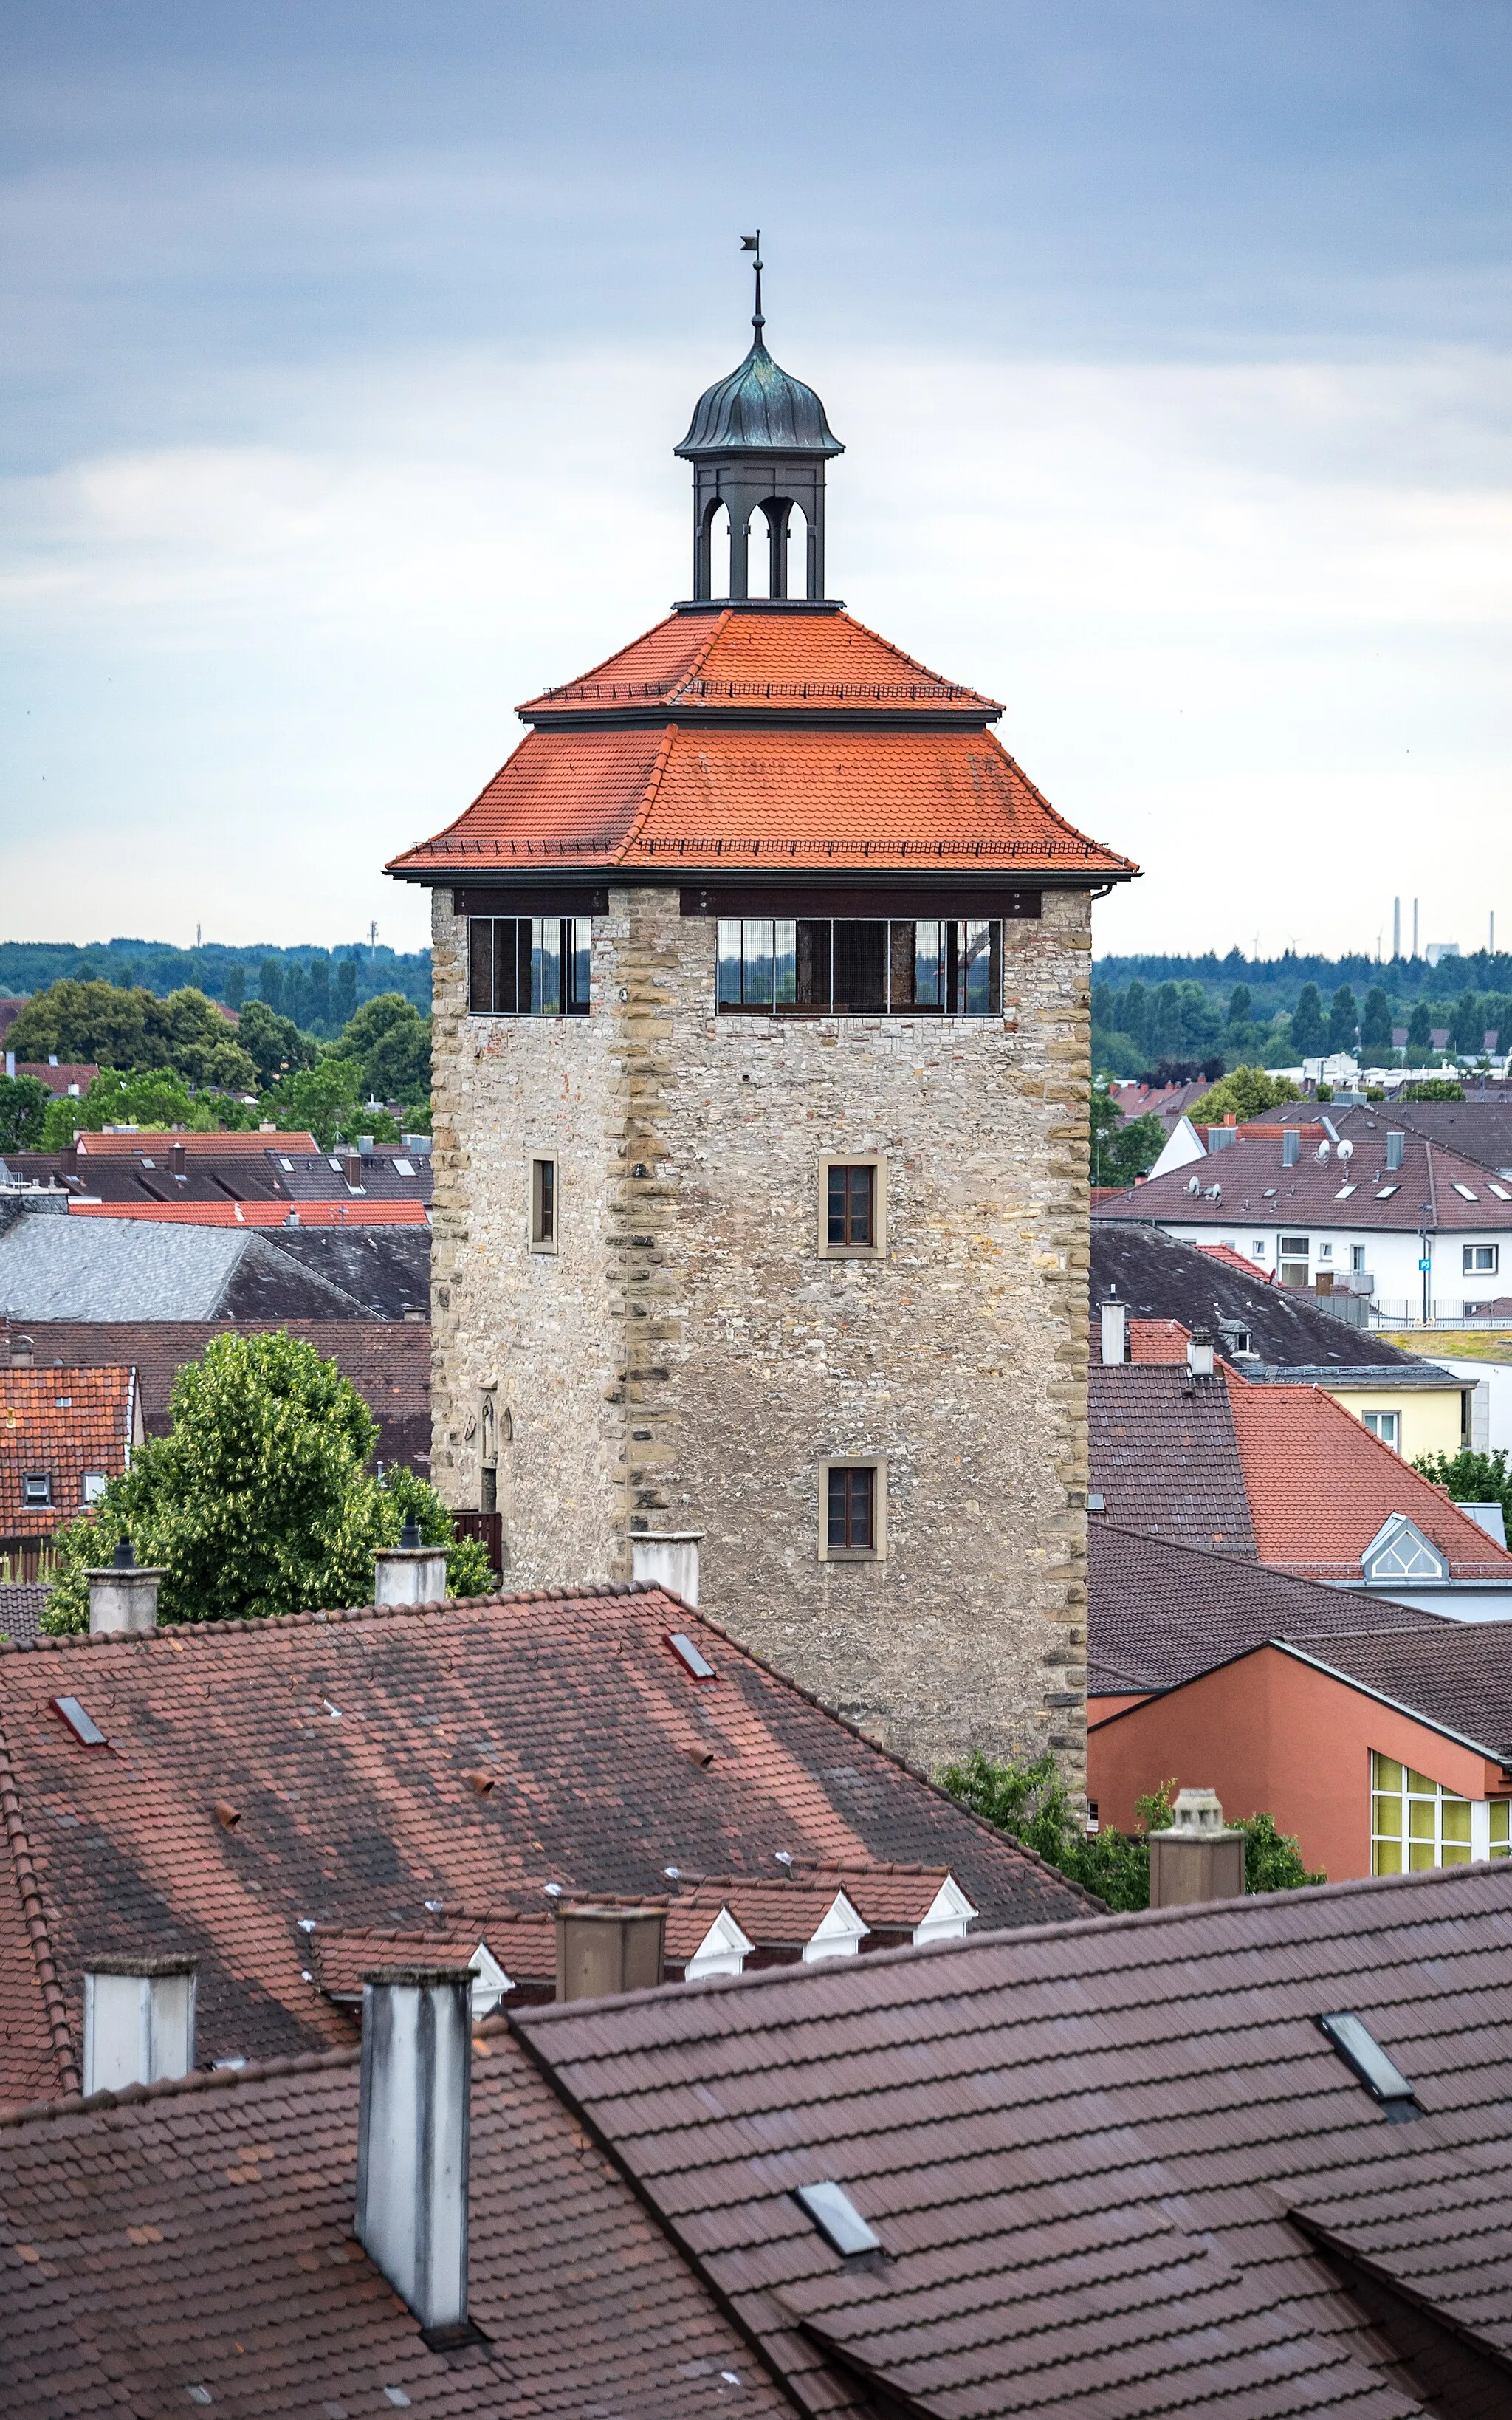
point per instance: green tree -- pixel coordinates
(23, 1113)
(1308, 1034)
(273, 1043)
(1434, 1088)
(270, 984)
(346, 1000)
(88, 1023)
(155, 1098)
(236, 986)
(1245, 1091)
(1471, 1477)
(1375, 1025)
(1133, 1016)
(1238, 1005)
(1419, 1027)
(391, 1041)
(1467, 1026)
(328, 1101)
(1343, 1019)
(260, 1500)
(1120, 1150)
(321, 993)
(1029, 1802)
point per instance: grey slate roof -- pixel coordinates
(1165, 1457)
(1160, 1279)
(55, 1267)
(1159, 1613)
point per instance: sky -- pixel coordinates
(1170, 342)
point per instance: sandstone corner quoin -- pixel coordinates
(762, 984)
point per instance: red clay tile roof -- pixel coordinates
(704, 764)
(1158, 1339)
(354, 1211)
(1226, 1254)
(1079, 2146)
(804, 663)
(340, 1960)
(1320, 1486)
(57, 1080)
(345, 1744)
(217, 1146)
(1255, 1185)
(63, 1423)
(212, 2247)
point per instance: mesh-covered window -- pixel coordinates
(529, 965)
(861, 966)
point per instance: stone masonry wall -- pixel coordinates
(688, 1359)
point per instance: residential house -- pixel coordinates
(1283, 1473)
(1150, 1292)
(68, 1079)
(64, 1435)
(127, 1167)
(760, 1029)
(242, 1791)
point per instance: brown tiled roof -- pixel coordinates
(1158, 1339)
(1164, 1457)
(58, 1079)
(387, 1360)
(1361, 1193)
(344, 1748)
(1080, 2148)
(1457, 1675)
(63, 1423)
(339, 1961)
(212, 2248)
(1158, 1613)
(1320, 1487)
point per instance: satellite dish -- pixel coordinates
(1322, 1151)
(1193, 1183)
(1215, 1193)
(1346, 1151)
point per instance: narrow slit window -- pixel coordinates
(544, 1205)
(851, 1511)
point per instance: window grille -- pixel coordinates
(860, 966)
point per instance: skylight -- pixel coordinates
(1464, 1192)
(80, 1722)
(404, 1167)
(683, 1647)
(837, 2218)
(1386, 1191)
(1344, 1192)
(1490, 1187)
(1358, 2047)
(287, 1164)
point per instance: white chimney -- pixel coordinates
(413, 2137)
(667, 1559)
(409, 1573)
(1199, 1353)
(1394, 1143)
(123, 1593)
(1114, 1331)
(138, 2020)
(1291, 1147)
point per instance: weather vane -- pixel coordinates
(753, 243)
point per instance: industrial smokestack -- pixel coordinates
(415, 2120)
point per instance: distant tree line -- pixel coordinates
(1142, 1027)
(318, 991)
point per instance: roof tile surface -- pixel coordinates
(60, 1423)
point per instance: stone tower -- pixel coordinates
(761, 988)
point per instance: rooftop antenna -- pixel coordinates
(753, 243)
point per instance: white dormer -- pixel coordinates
(1399, 1551)
(947, 1916)
(490, 1982)
(838, 1934)
(723, 1949)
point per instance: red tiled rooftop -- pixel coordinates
(63, 1423)
(356, 1212)
(1158, 1339)
(126, 1141)
(798, 662)
(1254, 1183)
(1232, 1260)
(58, 1079)
(1320, 1487)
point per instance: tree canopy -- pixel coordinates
(1245, 1091)
(95, 1024)
(23, 1113)
(261, 1499)
(391, 1041)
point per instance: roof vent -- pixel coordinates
(839, 2221)
(22, 1353)
(1291, 1147)
(1359, 2049)
(413, 2150)
(1396, 1143)
(1199, 1857)
(1199, 1353)
(138, 2020)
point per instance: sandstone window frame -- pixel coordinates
(877, 1249)
(543, 1223)
(877, 1551)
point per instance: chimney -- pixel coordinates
(1114, 1331)
(1198, 1858)
(22, 1353)
(138, 2020)
(1394, 1143)
(602, 1950)
(667, 1559)
(409, 1573)
(70, 1159)
(1291, 1147)
(351, 1167)
(123, 1593)
(177, 1160)
(415, 2121)
(1199, 1353)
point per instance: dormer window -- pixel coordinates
(1399, 1551)
(36, 1490)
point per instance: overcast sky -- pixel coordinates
(348, 342)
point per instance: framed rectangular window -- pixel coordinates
(853, 1207)
(36, 1489)
(1292, 1255)
(543, 1205)
(1357, 1259)
(94, 1486)
(1481, 1260)
(860, 966)
(1417, 1823)
(1387, 1426)
(529, 965)
(853, 1497)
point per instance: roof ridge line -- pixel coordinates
(942, 680)
(722, 622)
(318, 1617)
(74, 2104)
(554, 688)
(648, 796)
(39, 1938)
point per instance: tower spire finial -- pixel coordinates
(753, 243)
